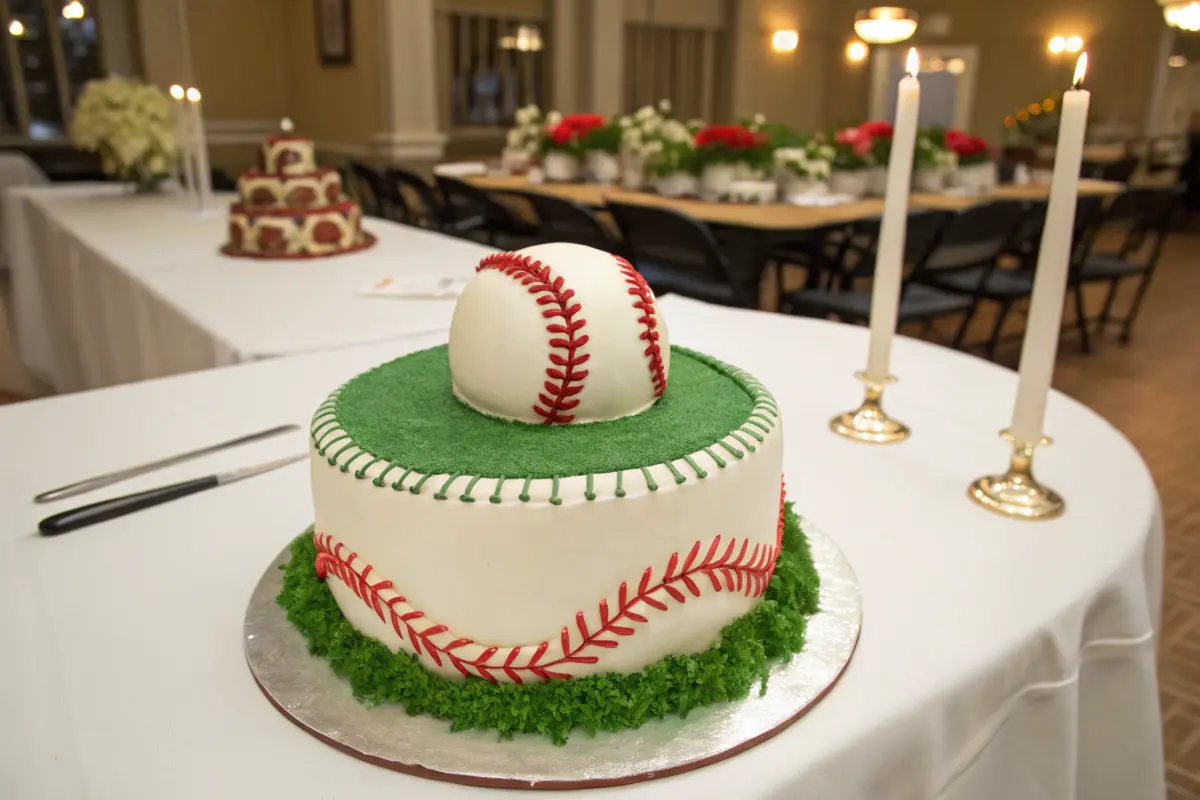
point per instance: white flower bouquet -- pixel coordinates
(658, 145)
(131, 125)
(811, 161)
(526, 132)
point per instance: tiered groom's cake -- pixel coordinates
(558, 520)
(290, 208)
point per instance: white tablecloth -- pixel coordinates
(16, 169)
(111, 288)
(999, 660)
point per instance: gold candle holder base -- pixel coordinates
(868, 423)
(1017, 493)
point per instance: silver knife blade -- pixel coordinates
(235, 475)
(100, 481)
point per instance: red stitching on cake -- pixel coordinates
(565, 381)
(748, 573)
(644, 303)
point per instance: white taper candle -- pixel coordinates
(203, 173)
(183, 126)
(1040, 347)
(889, 261)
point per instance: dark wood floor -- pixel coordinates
(1145, 389)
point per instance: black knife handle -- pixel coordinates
(120, 506)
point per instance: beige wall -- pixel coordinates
(240, 55)
(1015, 68)
(787, 87)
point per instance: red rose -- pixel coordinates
(877, 130)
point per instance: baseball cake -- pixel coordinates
(557, 521)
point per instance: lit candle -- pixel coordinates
(889, 261)
(1040, 346)
(203, 174)
(286, 125)
(184, 127)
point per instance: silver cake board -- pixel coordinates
(305, 690)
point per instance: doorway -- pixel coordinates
(948, 76)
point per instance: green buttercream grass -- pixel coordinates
(750, 646)
(405, 412)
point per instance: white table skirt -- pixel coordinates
(999, 660)
(111, 288)
(16, 169)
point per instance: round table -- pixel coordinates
(998, 658)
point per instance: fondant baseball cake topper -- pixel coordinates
(556, 334)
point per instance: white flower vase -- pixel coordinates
(793, 185)
(560, 167)
(849, 181)
(633, 172)
(753, 191)
(976, 178)
(876, 181)
(716, 180)
(929, 179)
(677, 184)
(602, 167)
(516, 161)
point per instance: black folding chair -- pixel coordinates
(422, 206)
(966, 258)
(563, 220)
(501, 227)
(677, 253)
(1145, 215)
(372, 191)
(857, 259)
(1120, 171)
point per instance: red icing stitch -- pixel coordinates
(644, 303)
(565, 381)
(745, 573)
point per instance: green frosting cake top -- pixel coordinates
(405, 412)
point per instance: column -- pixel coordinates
(566, 56)
(607, 82)
(410, 83)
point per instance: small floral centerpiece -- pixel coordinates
(524, 139)
(932, 161)
(602, 152)
(879, 134)
(852, 159)
(804, 168)
(976, 170)
(726, 153)
(639, 130)
(131, 125)
(669, 158)
(562, 143)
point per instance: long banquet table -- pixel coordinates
(999, 660)
(773, 217)
(110, 288)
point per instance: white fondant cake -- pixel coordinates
(291, 209)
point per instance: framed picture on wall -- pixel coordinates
(333, 32)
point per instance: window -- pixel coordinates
(493, 66)
(51, 49)
(678, 64)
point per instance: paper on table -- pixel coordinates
(416, 286)
(461, 169)
(819, 199)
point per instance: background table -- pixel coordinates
(110, 288)
(999, 660)
(773, 216)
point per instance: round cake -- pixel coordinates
(555, 497)
(289, 208)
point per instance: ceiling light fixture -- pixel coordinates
(73, 10)
(1182, 14)
(885, 24)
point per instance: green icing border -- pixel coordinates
(750, 646)
(339, 449)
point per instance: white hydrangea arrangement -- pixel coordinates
(131, 125)
(813, 160)
(662, 144)
(526, 132)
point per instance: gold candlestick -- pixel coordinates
(868, 423)
(1017, 493)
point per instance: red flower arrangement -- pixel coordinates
(877, 130)
(870, 144)
(569, 133)
(732, 144)
(969, 149)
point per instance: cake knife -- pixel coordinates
(108, 479)
(120, 506)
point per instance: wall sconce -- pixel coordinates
(885, 24)
(856, 51)
(1065, 44)
(1177, 61)
(73, 10)
(16, 28)
(784, 41)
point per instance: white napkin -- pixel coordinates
(461, 169)
(420, 287)
(820, 199)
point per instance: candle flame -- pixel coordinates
(286, 125)
(914, 62)
(1080, 71)
(193, 94)
(176, 91)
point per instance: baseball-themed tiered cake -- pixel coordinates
(556, 521)
(290, 208)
